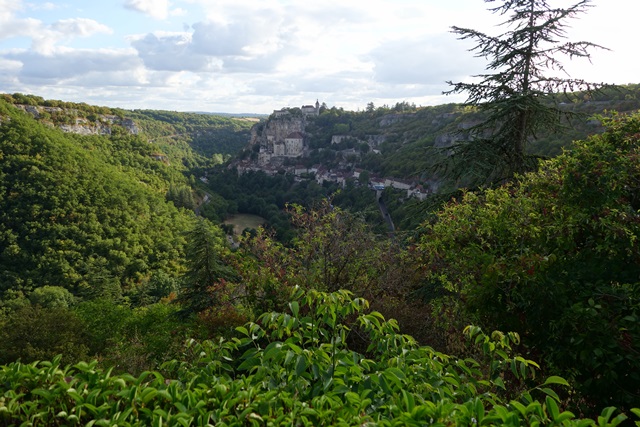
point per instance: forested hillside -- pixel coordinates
(188, 140)
(399, 142)
(329, 320)
(471, 264)
(412, 139)
(87, 213)
(91, 197)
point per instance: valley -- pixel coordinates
(114, 248)
(240, 222)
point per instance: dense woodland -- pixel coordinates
(119, 303)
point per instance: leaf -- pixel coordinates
(249, 364)
(301, 365)
(148, 394)
(552, 406)
(242, 330)
(499, 383)
(519, 406)
(551, 393)
(565, 416)
(606, 414)
(181, 407)
(502, 354)
(408, 400)
(352, 398)
(327, 380)
(397, 372)
(295, 308)
(556, 380)
(296, 349)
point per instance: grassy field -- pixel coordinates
(242, 221)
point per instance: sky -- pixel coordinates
(254, 56)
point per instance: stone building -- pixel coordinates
(294, 144)
(311, 110)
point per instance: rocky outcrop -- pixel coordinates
(446, 140)
(466, 125)
(444, 118)
(376, 140)
(391, 119)
(281, 136)
(87, 129)
(59, 117)
(277, 129)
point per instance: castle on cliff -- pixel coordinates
(283, 135)
(307, 110)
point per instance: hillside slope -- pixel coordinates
(85, 212)
(405, 141)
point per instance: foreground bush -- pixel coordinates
(554, 257)
(296, 368)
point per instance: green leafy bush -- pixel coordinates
(295, 368)
(131, 339)
(555, 257)
(35, 333)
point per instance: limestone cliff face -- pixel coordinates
(278, 138)
(256, 132)
(391, 119)
(83, 129)
(276, 130)
(68, 121)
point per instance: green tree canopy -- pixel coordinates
(555, 257)
(51, 296)
(206, 278)
(84, 213)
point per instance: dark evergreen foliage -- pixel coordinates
(521, 90)
(206, 277)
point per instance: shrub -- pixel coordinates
(35, 333)
(555, 257)
(295, 368)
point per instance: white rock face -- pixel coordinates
(280, 136)
(82, 126)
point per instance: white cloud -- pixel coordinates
(158, 9)
(42, 6)
(211, 38)
(243, 46)
(10, 26)
(8, 65)
(9, 7)
(178, 12)
(46, 38)
(171, 52)
(431, 59)
(68, 63)
(81, 27)
(254, 65)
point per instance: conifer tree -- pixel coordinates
(205, 279)
(519, 93)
